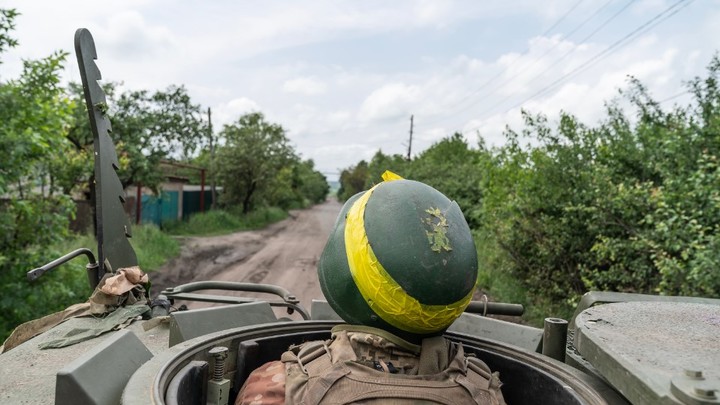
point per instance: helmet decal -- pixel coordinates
(380, 291)
(438, 237)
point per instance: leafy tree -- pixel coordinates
(247, 166)
(451, 166)
(34, 115)
(146, 128)
(296, 185)
(630, 204)
(353, 180)
(381, 162)
(7, 24)
(312, 184)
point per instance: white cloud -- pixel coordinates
(433, 13)
(344, 76)
(232, 110)
(390, 101)
(132, 36)
(304, 85)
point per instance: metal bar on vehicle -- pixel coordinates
(555, 338)
(495, 308)
(221, 299)
(289, 300)
(232, 286)
(224, 299)
(34, 274)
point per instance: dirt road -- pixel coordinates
(284, 254)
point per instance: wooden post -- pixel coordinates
(410, 142)
(202, 190)
(213, 189)
(138, 204)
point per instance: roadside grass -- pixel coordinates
(495, 278)
(68, 283)
(218, 222)
(152, 247)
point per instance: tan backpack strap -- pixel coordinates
(481, 383)
(317, 361)
(311, 352)
(474, 364)
(435, 355)
(318, 387)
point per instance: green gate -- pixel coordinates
(157, 210)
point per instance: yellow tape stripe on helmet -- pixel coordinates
(383, 294)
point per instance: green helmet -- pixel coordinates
(401, 258)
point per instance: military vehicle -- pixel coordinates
(617, 348)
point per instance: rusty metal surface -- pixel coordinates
(113, 227)
(640, 347)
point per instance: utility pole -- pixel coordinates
(212, 160)
(410, 142)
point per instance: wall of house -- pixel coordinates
(177, 201)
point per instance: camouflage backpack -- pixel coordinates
(369, 366)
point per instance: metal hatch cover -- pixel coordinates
(652, 352)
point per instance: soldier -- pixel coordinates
(399, 268)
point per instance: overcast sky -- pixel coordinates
(343, 77)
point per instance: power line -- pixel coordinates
(565, 37)
(561, 19)
(673, 97)
(661, 17)
(612, 48)
(492, 79)
(588, 37)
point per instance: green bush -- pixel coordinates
(631, 204)
(218, 222)
(66, 285)
(153, 247)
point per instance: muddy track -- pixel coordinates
(284, 254)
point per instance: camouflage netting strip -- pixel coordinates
(30, 329)
(118, 319)
(124, 289)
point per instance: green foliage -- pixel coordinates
(449, 165)
(23, 248)
(218, 222)
(56, 290)
(262, 217)
(311, 185)
(7, 24)
(353, 180)
(632, 204)
(377, 166)
(22, 301)
(440, 165)
(153, 247)
(146, 128)
(257, 167)
(33, 116)
(254, 152)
